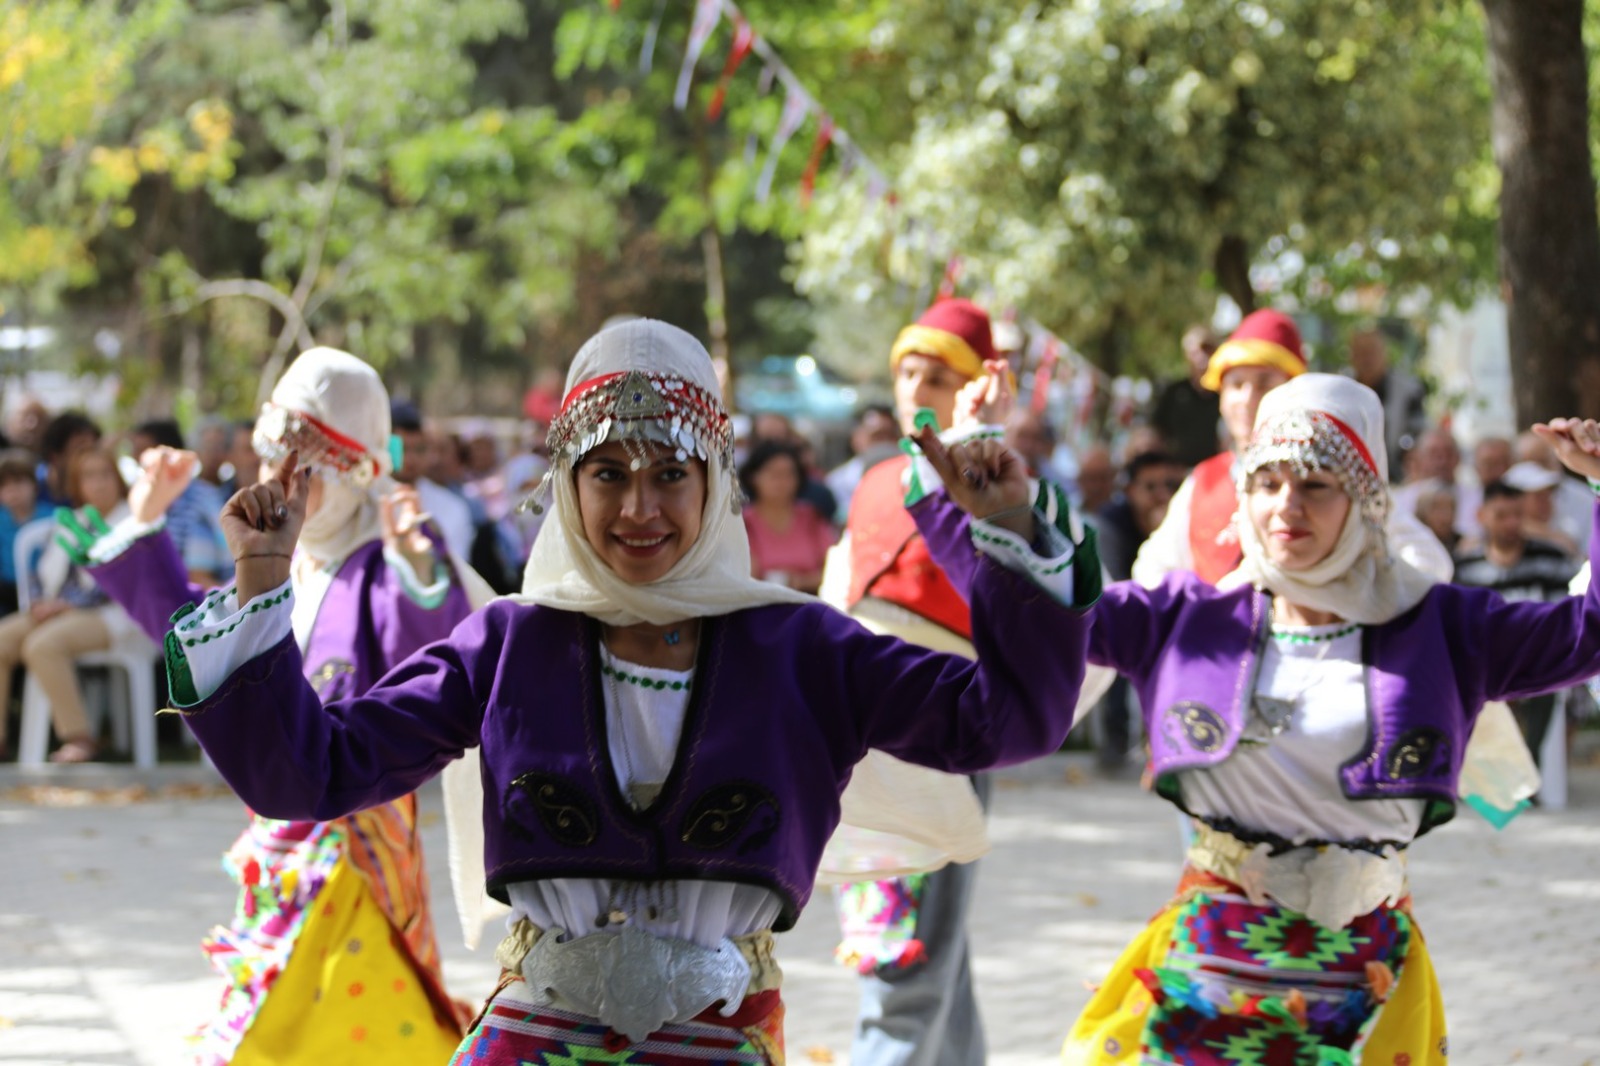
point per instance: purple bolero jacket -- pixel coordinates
(1192, 652)
(785, 700)
(365, 625)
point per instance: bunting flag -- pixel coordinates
(796, 106)
(752, 142)
(743, 40)
(647, 50)
(707, 13)
(1056, 360)
(948, 284)
(1043, 375)
(808, 180)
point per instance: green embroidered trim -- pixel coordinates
(1594, 486)
(1088, 581)
(1314, 638)
(1028, 558)
(259, 605)
(180, 682)
(645, 682)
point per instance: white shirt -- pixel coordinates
(1287, 783)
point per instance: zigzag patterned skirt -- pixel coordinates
(1217, 980)
(513, 1032)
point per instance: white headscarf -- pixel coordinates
(1332, 423)
(713, 576)
(346, 395)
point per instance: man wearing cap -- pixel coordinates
(1197, 534)
(907, 936)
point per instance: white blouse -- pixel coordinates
(1283, 778)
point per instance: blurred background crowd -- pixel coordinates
(1500, 503)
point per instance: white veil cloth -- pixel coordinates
(333, 410)
(1332, 423)
(603, 385)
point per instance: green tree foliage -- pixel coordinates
(63, 65)
(338, 164)
(1110, 166)
(385, 195)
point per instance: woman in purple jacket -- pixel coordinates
(1311, 713)
(663, 738)
(371, 587)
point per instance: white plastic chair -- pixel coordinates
(133, 712)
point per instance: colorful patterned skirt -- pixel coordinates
(1216, 980)
(331, 955)
(512, 1031)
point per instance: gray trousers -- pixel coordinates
(927, 1014)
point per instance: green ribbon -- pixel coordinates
(76, 538)
(925, 419)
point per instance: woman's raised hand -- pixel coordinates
(987, 400)
(1576, 442)
(402, 517)
(163, 475)
(262, 525)
(985, 478)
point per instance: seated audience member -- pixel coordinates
(64, 436)
(68, 614)
(1540, 522)
(789, 539)
(19, 505)
(1436, 509)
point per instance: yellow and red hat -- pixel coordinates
(1265, 338)
(956, 332)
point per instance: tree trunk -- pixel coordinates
(1549, 234)
(711, 255)
(1232, 267)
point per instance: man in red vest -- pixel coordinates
(1197, 534)
(907, 936)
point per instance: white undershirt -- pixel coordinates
(1288, 784)
(643, 727)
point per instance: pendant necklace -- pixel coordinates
(1276, 712)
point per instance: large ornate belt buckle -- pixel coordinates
(636, 982)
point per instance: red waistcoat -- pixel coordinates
(890, 560)
(1212, 541)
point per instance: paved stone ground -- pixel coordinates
(101, 907)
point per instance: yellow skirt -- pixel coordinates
(1407, 1029)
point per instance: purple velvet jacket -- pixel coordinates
(1192, 652)
(365, 625)
(785, 700)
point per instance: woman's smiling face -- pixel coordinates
(640, 522)
(1298, 518)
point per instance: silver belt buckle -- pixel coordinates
(633, 981)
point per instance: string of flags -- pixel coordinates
(1078, 384)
